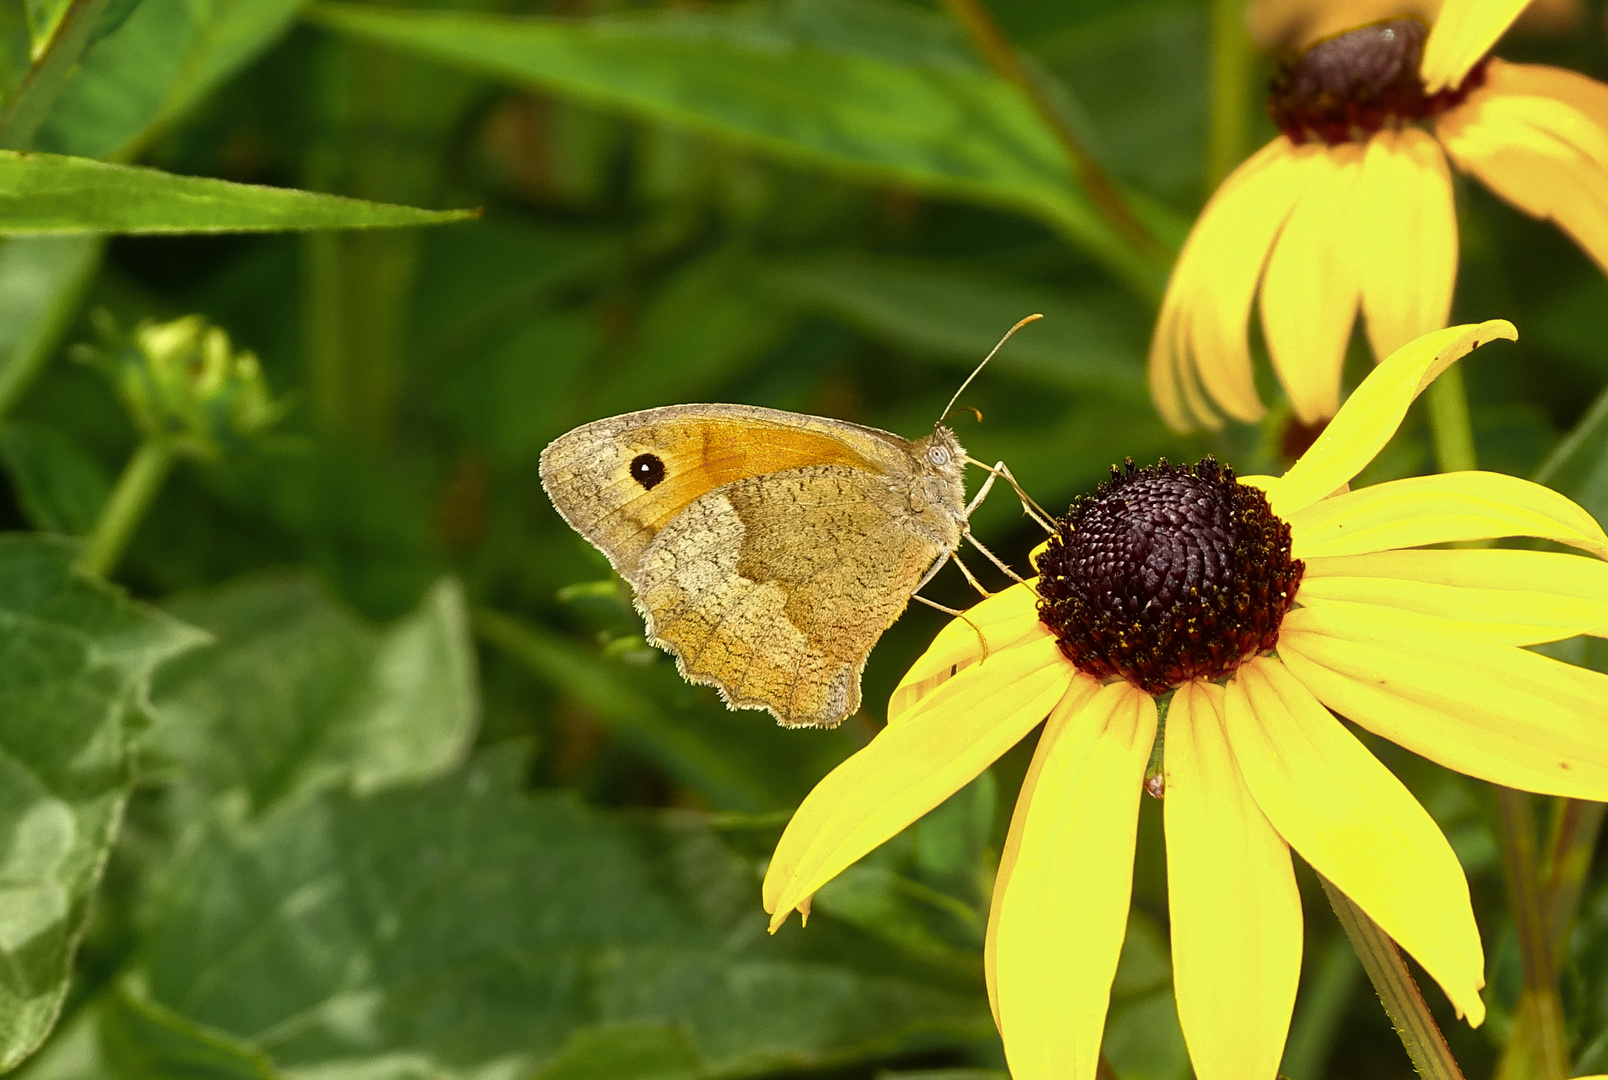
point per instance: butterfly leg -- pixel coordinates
(1029, 507)
(961, 615)
(995, 559)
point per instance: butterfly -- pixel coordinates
(767, 550)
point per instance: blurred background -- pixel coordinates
(424, 804)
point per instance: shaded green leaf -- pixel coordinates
(436, 931)
(881, 91)
(1085, 339)
(60, 486)
(76, 659)
(297, 693)
(159, 62)
(41, 280)
(47, 193)
(1578, 466)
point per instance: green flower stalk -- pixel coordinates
(190, 394)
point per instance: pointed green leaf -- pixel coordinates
(48, 193)
(883, 92)
(75, 661)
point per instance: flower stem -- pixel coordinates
(1403, 1002)
(1231, 85)
(1448, 419)
(141, 480)
(1001, 55)
(1537, 1047)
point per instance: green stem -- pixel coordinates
(1448, 419)
(30, 104)
(1537, 1047)
(141, 480)
(1001, 55)
(1397, 991)
(1231, 91)
(1576, 826)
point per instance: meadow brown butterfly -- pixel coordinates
(768, 550)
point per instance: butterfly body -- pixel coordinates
(768, 551)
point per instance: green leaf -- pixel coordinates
(297, 694)
(448, 929)
(41, 281)
(165, 57)
(880, 91)
(47, 193)
(1578, 466)
(1086, 339)
(77, 658)
(60, 486)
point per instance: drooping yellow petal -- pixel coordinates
(1407, 253)
(1077, 696)
(1201, 332)
(1437, 510)
(1356, 824)
(1491, 711)
(936, 749)
(1464, 32)
(1538, 137)
(1064, 910)
(1003, 620)
(1236, 913)
(1511, 597)
(1312, 284)
(1374, 411)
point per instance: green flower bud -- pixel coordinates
(185, 385)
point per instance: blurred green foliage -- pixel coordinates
(376, 778)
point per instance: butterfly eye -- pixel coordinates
(647, 470)
(937, 455)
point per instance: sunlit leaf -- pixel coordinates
(47, 193)
(75, 662)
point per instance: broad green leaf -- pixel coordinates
(158, 63)
(75, 663)
(883, 92)
(297, 693)
(41, 280)
(60, 486)
(1085, 339)
(463, 927)
(47, 193)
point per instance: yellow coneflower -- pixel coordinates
(1258, 604)
(1352, 206)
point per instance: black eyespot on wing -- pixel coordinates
(647, 470)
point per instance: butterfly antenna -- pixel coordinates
(978, 369)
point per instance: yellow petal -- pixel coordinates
(1437, 510)
(936, 749)
(1064, 910)
(1236, 913)
(1201, 332)
(1464, 32)
(1492, 711)
(1077, 696)
(1538, 137)
(1511, 597)
(1356, 824)
(1407, 255)
(1374, 411)
(1312, 284)
(1004, 619)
